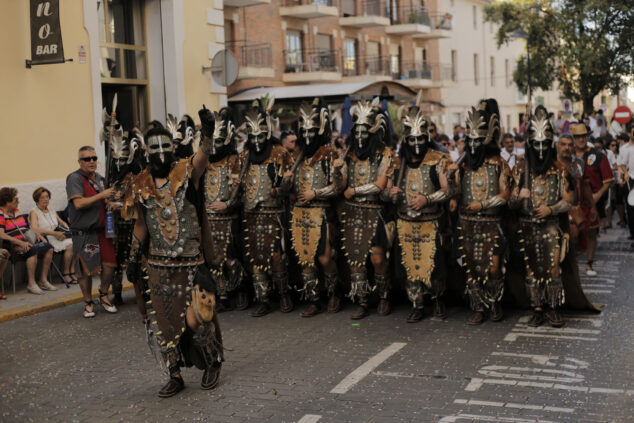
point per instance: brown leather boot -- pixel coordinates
(262, 310)
(536, 319)
(172, 387)
(286, 304)
(360, 313)
(440, 311)
(211, 377)
(416, 315)
(554, 318)
(384, 307)
(496, 312)
(477, 318)
(334, 304)
(314, 309)
(242, 301)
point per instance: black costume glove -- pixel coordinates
(207, 122)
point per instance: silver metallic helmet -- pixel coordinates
(483, 125)
(415, 125)
(540, 132)
(258, 123)
(367, 119)
(312, 122)
(224, 130)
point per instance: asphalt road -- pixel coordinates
(57, 366)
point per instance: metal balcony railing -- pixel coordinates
(291, 3)
(424, 70)
(442, 20)
(367, 8)
(312, 60)
(411, 15)
(377, 65)
(252, 53)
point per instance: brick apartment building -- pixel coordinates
(298, 42)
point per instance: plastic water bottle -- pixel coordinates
(110, 225)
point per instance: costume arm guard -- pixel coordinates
(492, 202)
(561, 206)
(439, 196)
(367, 189)
(325, 192)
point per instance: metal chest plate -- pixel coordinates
(545, 189)
(416, 182)
(309, 176)
(217, 184)
(173, 224)
(258, 187)
(481, 184)
(362, 172)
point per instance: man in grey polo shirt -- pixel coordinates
(93, 252)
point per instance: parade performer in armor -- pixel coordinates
(266, 182)
(164, 200)
(485, 187)
(541, 198)
(316, 181)
(419, 191)
(220, 198)
(369, 165)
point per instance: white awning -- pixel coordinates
(315, 90)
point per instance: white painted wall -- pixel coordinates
(467, 41)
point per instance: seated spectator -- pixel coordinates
(13, 231)
(46, 222)
(4, 259)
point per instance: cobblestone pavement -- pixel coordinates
(57, 366)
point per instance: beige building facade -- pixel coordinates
(151, 53)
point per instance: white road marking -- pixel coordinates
(531, 373)
(597, 291)
(394, 374)
(515, 405)
(544, 360)
(309, 418)
(476, 383)
(512, 337)
(595, 285)
(366, 368)
(475, 417)
(564, 330)
(597, 279)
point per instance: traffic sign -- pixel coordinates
(622, 115)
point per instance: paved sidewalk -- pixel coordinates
(23, 303)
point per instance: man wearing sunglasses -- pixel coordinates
(94, 253)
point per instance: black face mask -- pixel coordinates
(540, 165)
(159, 169)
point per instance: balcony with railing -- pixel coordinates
(254, 58)
(313, 65)
(410, 20)
(244, 3)
(441, 26)
(308, 9)
(370, 68)
(418, 75)
(370, 13)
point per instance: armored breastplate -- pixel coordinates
(258, 188)
(217, 184)
(173, 225)
(544, 190)
(309, 176)
(360, 173)
(416, 182)
(480, 185)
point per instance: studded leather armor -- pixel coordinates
(483, 185)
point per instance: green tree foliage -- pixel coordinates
(585, 45)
